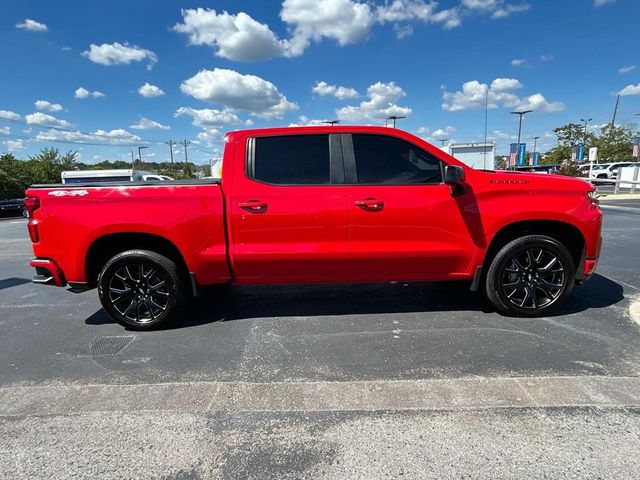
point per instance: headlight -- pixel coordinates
(593, 199)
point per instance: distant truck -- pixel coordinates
(104, 176)
(480, 156)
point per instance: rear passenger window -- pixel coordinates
(392, 161)
(292, 160)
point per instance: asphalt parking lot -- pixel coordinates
(418, 381)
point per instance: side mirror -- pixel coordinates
(453, 175)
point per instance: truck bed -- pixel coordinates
(189, 214)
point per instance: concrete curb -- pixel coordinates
(620, 196)
(449, 394)
(634, 310)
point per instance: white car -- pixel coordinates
(607, 171)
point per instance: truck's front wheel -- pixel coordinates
(530, 276)
(140, 289)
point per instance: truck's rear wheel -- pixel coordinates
(140, 289)
(530, 276)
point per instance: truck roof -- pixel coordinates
(320, 129)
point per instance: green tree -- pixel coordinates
(569, 136)
(615, 144)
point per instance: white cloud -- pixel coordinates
(500, 135)
(117, 136)
(146, 124)
(43, 119)
(119, 54)
(32, 25)
(240, 37)
(150, 91)
(630, 90)
(208, 117)
(5, 130)
(380, 103)
(210, 136)
(537, 102)
(627, 69)
(443, 132)
(14, 145)
(516, 62)
(9, 115)
(238, 92)
(304, 121)
(415, 11)
(344, 21)
(509, 9)
(496, 8)
(48, 106)
(83, 93)
(505, 84)
(500, 94)
(547, 57)
(600, 3)
(323, 89)
(423, 130)
(235, 37)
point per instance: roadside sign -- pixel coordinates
(593, 154)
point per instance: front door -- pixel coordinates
(289, 211)
(404, 223)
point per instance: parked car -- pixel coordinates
(607, 171)
(13, 208)
(315, 205)
(110, 176)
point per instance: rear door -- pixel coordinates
(404, 223)
(289, 210)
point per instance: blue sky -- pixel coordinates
(111, 76)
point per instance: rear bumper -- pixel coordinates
(47, 272)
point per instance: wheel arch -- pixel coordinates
(565, 233)
(107, 246)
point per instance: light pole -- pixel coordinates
(331, 122)
(535, 146)
(586, 122)
(140, 153)
(133, 162)
(443, 141)
(521, 114)
(394, 118)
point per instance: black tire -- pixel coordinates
(141, 290)
(25, 213)
(530, 276)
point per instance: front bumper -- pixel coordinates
(47, 272)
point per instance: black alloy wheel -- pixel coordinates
(530, 276)
(140, 289)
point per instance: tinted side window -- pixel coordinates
(292, 160)
(388, 160)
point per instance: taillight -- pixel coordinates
(31, 204)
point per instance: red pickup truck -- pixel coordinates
(315, 205)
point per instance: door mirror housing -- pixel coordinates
(454, 176)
